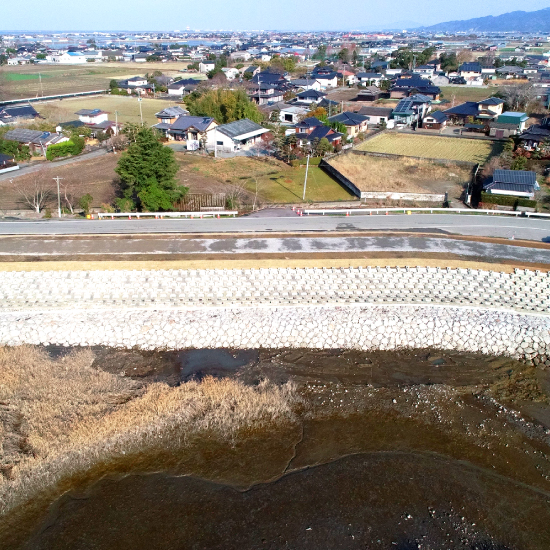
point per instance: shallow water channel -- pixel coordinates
(406, 450)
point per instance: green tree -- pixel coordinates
(40, 56)
(343, 55)
(355, 57)
(519, 163)
(323, 147)
(223, 104)
(509, 145)
(147, 173)
(85, 202)
(321, 52)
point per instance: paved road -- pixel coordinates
(463, 224)
(51, 165)
(173, 245)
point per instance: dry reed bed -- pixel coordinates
(379, 174)
(63, 418)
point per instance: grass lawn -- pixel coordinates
(461, 94)
(127, 107)
(277, 182)
(435, 147)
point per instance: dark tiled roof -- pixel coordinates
(89, 112)
(438, 116)
(536, 133)
(310, 122)
(22, 111)
(5, 158)
(308, 94)
(470, 108)
(171, 112)
(349, 119)
(492, 101)
(239, 128)
(513, 187)
(182, 123)
(470, 67)
(375, 111)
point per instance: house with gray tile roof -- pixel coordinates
(234, 136)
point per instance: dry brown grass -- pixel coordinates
(63, 418)
(379, 174)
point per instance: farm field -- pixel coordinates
(461, 94)
(62, 110)
(378, 174)
(21, 81)
(434, 147)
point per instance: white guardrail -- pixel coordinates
(370, 211)
(161, 215)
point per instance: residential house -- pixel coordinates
(536, 135)
(487, 110)
(290, 114)
(92, 116)
(317, 134)
(380, 65)
(183, 87)
(305, 84)
(510, 71)
(206, 66)
(405, 87)
(508, 124)
(170, 114)
(376, 115)
(17, 113)
(440, 80)
(265, 93)
(326, 79)
(253, 70)
(136, 84)
(234, 136)
(410, 111)
(190, 129)
(470, 70)
(312, 129)
(68, 58)
(230, 73)
(366, 79)
(241, 56)
(517, 183)
(393, 73)
(436, 120)
(354, 122)
(310, 96)
(424, 71)
(36, 140)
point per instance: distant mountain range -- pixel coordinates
(521, 21)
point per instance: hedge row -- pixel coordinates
(64, 149)
(313, 161)
(507, 200)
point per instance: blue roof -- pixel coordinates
(349, 119)
(520, 177)
(470, 108)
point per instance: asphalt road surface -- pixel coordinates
(460, 224)
(172, 245)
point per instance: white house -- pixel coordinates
(68, 58)
(327, 81)
(231, 137)
(92, 116)
(244, 56)
(230, 73)
(176, 89)
(291, 114)
(206, 66)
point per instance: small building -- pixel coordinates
(536, 135)
(376, 115)
(436, 120)
(370, 93)
(92, 116)
(366, 79)
(517, 183)
(470, 70)
(508, 124)
(231, 137)
(290, 114)
(316, 134)
(305, 84)
(7, 162)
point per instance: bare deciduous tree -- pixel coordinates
(35, 190)
(68, 197)
(519, 96)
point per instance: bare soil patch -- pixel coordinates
(380, 174)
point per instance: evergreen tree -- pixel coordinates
(147, 172)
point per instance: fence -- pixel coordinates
(162, 215)
(196, 202)
(370, 211)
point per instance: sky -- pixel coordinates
(169, 15)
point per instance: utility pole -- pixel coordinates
(57, 179)
(140, 111)
(305, 180)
